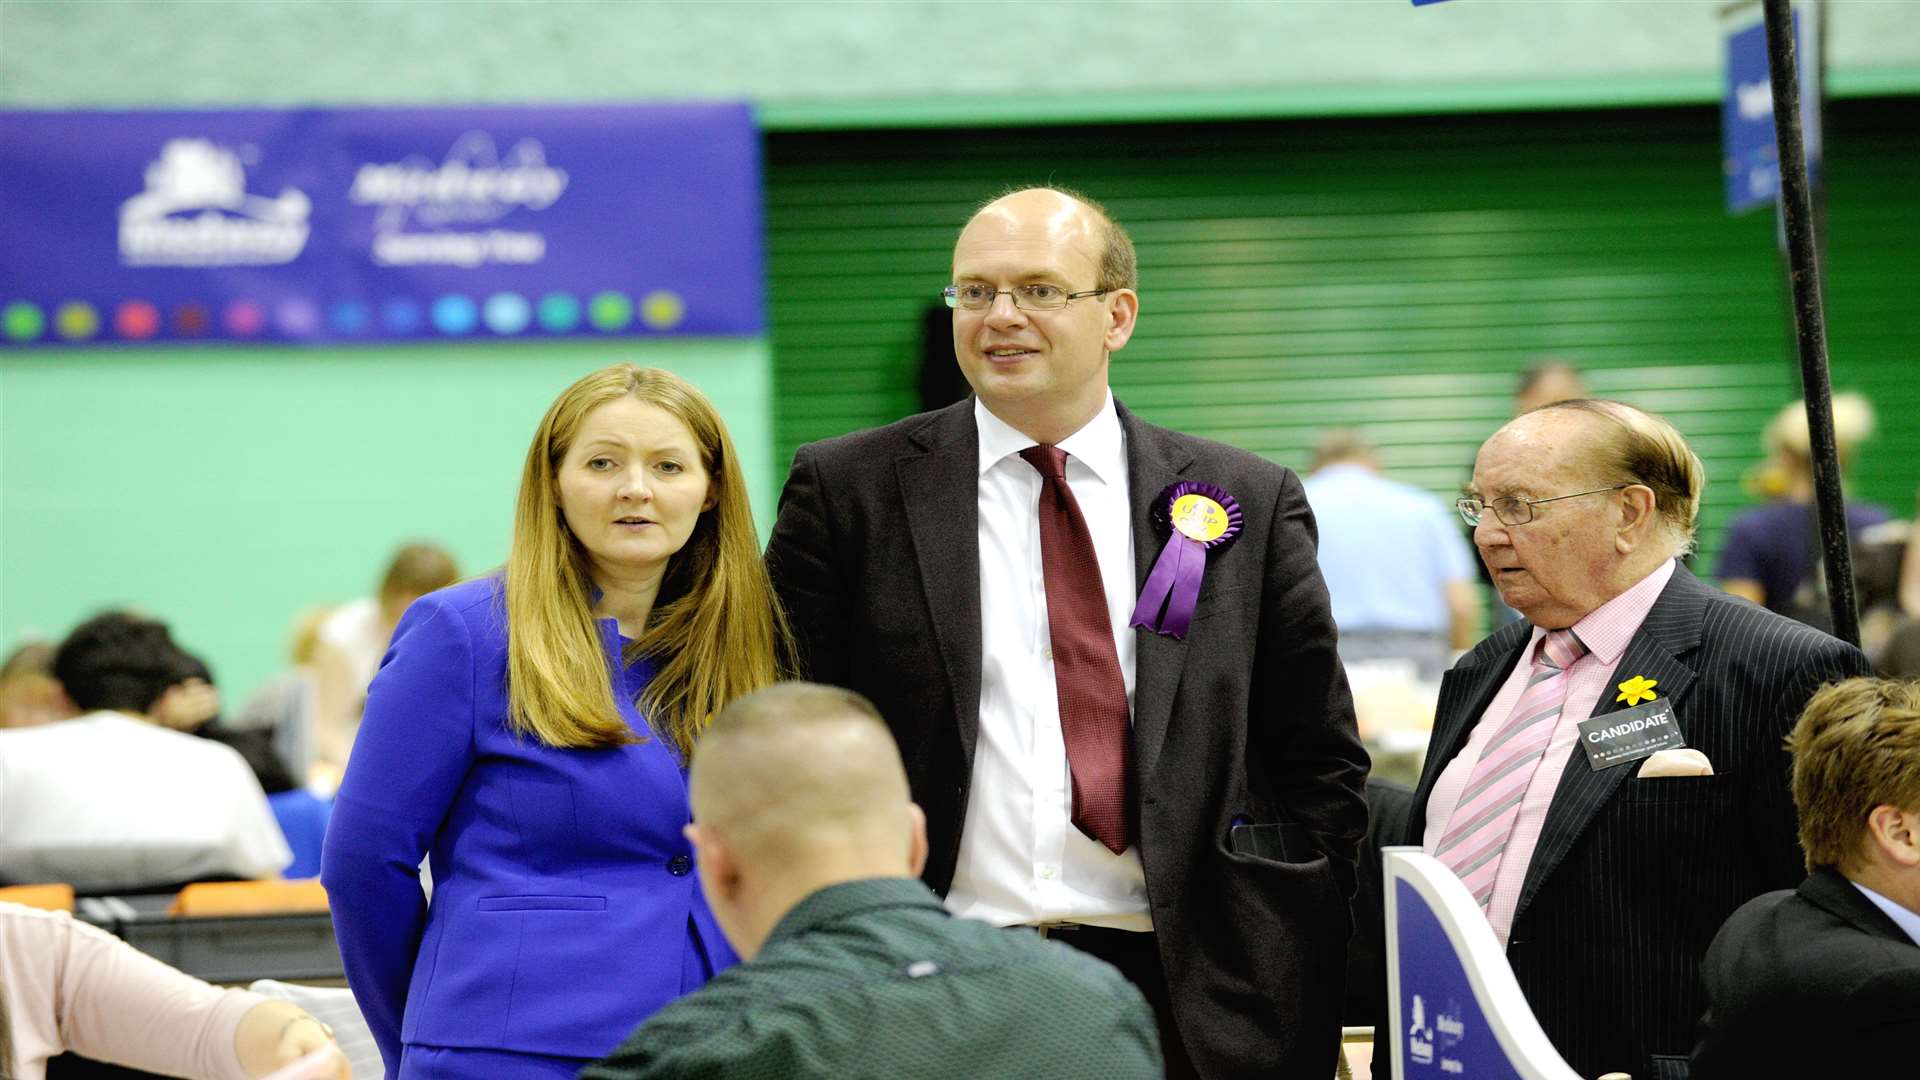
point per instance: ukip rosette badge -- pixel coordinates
(1198, 518)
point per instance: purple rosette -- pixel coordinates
(1209, 521)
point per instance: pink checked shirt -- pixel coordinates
(1605, 631)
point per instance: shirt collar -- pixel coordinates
(1607, 629)
(1907, 921)
(1099, 444)
(839, 901)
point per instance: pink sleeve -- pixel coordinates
(115, 1003)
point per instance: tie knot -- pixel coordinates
(1050, 460)
(1560, 648)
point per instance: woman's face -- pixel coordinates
(632, 487)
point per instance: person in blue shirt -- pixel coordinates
(528, 734)
(1399, 573)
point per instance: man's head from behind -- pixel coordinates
(1045, 284)
(1856, 782)
(1582, 499)
(118, 661)
(794, 788)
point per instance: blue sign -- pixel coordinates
(376, 224)
(1752, 156)
(1454, 1007)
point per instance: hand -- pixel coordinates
(304, 1035)
(275, 1034)
(186, 705)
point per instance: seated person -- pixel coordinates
(1824, 980)
(65, 985)
(194, 707)
(807, 847)
(111, 800)
(29, 694)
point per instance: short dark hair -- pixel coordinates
(121, 661)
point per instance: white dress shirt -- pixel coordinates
(1907, 921)
(1021, 858)
(106, 801)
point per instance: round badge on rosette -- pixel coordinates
(1199, 519)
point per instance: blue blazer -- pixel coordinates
(565, 908)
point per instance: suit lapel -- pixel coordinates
(1154, 460)
(1658, 650)
(940, 488)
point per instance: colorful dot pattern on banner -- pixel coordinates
(76, 320)
(505, 314)
(22, 321)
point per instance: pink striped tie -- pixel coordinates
(1482, 821)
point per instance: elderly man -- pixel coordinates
(1825, 980)
(1105, 650)
(1608, 776)
(807, 848)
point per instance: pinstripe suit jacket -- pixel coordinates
(1632, 878)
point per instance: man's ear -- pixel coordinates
(917, 847)
(1123, 310)
(718, 868)
(1638, 517)
(1896, 833)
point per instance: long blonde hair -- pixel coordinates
(716, 632)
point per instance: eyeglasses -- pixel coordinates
(1516, 511)
(1034, 297)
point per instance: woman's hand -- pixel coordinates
(274, 1034)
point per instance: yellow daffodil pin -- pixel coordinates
(1637, 689)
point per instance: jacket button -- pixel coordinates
(679, 865)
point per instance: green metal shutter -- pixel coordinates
(1389, 274)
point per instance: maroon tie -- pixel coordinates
(1086, 667)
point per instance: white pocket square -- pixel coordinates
(1684, 761)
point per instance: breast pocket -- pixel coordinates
(1679, 790)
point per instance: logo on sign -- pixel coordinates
(430, 214)
(1419, 1035)
(196, 211)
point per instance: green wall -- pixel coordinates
(226, 489)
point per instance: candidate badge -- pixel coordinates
(1198, 519)
(1637, 689)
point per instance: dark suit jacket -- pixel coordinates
(1814, 982)
(876, 557)
(1632, 878)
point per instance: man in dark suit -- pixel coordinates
(1604, 854)
(1185, 807)
(1825, 980)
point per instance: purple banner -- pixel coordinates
(361, 225)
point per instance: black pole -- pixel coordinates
(1796, 213)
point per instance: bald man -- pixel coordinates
(808, 845)
(1166, 779)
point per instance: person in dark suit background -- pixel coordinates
(977, 600)
(1825, 980)
(1606, 884)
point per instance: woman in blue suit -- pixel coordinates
(528, 734)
